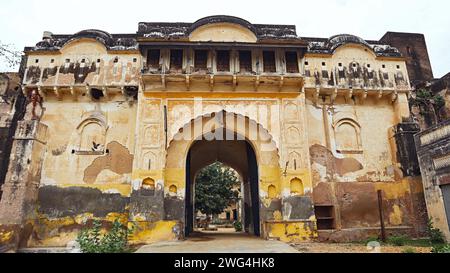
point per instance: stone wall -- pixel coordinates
(12, 105)
(433, 149)
(414, 48)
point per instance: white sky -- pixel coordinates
(22, 22)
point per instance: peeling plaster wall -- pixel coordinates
(64, 166)
(348, 181)
(80, 62)
(79, 186)
(355, 66)
(373, 163)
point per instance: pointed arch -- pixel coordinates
(217, 122)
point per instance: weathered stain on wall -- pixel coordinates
(324, 157)
(55, 202)
(353, 66)
(12, 109)
(83, 61)
(118, 160)
(291, 232)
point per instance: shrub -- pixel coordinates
(441, 249)
(238, 226)
(371, 239)
(436, 235)
(398, 240)
(114, 241)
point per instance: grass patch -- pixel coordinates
(398, 240)
(403, 240)
(409, 250)
(368, 240)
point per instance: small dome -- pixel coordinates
(222, 19)
(100, 35)
(338, 40)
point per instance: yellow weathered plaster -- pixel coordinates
(395, 218)
(147, 233)
(123, 189)
(394, 190)
(291, 232)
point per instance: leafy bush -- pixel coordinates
(398, 240)
(436, 235)
(424, 94)
(114, 241)
(441, 249)
(238, 226)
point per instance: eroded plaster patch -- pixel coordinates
(119, 160)
(324, 157)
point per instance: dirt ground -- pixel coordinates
(224, 241)
(228, 241)
(356, 248)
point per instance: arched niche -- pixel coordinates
(272, 192)
(296, 187)
(92, 134)
(148, 183)
(347, 133)
(173, 190)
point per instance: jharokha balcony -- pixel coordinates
(222, 70)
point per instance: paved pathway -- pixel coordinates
(219, 242)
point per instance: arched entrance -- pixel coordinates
(235, 141)
(239, 155)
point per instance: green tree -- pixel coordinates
(215, 189)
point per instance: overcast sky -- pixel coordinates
(22, 22)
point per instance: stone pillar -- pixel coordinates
(20, 191)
